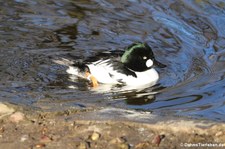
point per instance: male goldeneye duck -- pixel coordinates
(135, 67)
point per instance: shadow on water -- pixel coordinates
(187, 36)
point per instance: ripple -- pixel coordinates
(184, 41)
(187, 36)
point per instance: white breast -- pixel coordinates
(149, 77)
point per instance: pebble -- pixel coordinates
(118, 140)
(157, 139)
(16, 117)
(24, 138)
(95, 136)
(220, 133)
(142, 145)
(55, 137)
(121, 143)
(45, 139)
(123, 146)
(40, 145)
(121, 140)
(2, 129)
(82, 146)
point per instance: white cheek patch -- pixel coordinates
(149, 63)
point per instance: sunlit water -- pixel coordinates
(187, 36)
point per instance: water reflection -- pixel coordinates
(187, 36)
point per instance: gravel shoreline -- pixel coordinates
(84, 129)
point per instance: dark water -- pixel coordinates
(187, 36)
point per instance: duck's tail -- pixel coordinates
(77, 69)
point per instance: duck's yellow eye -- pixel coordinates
(144, 57)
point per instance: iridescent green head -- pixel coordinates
(139, 57)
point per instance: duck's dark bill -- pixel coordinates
(157, 63)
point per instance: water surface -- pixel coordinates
(187, 36)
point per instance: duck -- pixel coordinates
(134, 66)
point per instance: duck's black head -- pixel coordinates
(139, 57)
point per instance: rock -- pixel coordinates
(95, 136)
(5, 110)
(16, 117)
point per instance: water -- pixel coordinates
(187, 36)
